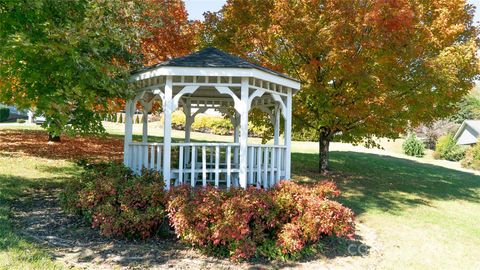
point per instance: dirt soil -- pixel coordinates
(69, 239)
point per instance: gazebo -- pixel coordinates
(211, 79)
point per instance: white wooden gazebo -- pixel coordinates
(212, 79)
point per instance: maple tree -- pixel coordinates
(369, 68)
(169, 33)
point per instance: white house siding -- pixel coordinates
(467, 136)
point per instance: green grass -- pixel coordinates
(425, 216)
(17, 176)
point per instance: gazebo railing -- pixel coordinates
(145, 155)
(266, 164)
(217, 164)
(205, 163)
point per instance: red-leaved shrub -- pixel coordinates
(118, 202)
(238, 223)
(234, 223)
(306, 213)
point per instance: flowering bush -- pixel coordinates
(242, 223)
(116, 201)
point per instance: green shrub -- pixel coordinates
(4, 114)
(282, 222)
(472, 157)
(120, 118)
(447, 148)
(219, 126)
(116, 201)
(21, 121)
(412, 146)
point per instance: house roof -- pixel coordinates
(213, 58)
(473, 124)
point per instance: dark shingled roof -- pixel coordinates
(212, 58)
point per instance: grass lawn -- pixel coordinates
(19, 173)
(425, 216)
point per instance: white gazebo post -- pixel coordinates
(167, 131)
(288, 134)
(187, 110)
(146, 108)
(128, 132)
(243, 132)
(276, 126)
(236, 136)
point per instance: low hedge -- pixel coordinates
(278, 223)
(4, 114)
(283, 222)
(212, 124)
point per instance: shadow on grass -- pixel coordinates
(386, 183)
(21, 251)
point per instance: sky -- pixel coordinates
(196, 8)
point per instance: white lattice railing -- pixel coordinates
(206, 164)
(212, 163)
(266, 164)
(145, 155)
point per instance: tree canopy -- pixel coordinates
(469, 108)
(369, 68)
(71, 60)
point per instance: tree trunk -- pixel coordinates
(323, 147)
(53, 138)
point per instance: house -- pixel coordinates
(16, 113)
(468, 132)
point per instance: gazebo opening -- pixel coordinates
(211, 79)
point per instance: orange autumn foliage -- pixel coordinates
(169, 33)
(369, 68)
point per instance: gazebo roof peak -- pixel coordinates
(212, 57)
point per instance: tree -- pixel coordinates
(169, 32)
(469, 109)
(67, 59)
(71, 60)
(369, 68)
